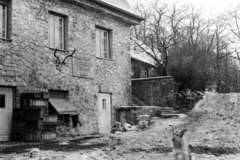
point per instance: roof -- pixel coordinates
(139, 53)
(121, 6)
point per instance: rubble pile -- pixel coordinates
(215, 121)
(143, 124)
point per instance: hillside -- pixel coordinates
(215, 121)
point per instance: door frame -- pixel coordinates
(14, 93)
(111, 109)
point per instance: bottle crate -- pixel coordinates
(17, 136)
(33, 136)
(36, 124)
(34, 113)
(49, 135)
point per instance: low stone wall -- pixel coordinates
(157, 91)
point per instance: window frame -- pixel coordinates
(4, 100)
(59, 94)
(8, 16)
(64, 30)
(101, 55)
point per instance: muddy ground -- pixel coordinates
(213, 128)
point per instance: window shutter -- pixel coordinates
(56, 30)
(106, 55)
(102, 44)
(98, 48)
(61, 33)
(3, 21)
(51, 31)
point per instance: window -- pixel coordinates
(56, 31)
(150, 72)
(102, 44)
(3, 21)
(2, 101)
(104, 104)
(60, 106)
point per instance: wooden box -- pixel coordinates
(17, 136)
(49, 135)
(34, 125)
(18, 112)
(33, 136)
(50, 118)
(34, 113)
(18, 124)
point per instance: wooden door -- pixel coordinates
(104, 110)
(6, 107)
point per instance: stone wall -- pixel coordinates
(157, 91)
(27, 62)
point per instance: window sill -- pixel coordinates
(105, 59)
(7, 40)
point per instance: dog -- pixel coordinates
(180, 145)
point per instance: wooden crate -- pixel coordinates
(33, 136)
(18, 124)
(50, 118)
(34, 113)
(50, 126)
(18, 113)
(49, 135)
(17, 136)
(45, 95)
(34, 124)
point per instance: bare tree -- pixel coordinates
(234, 25)
(160, 30)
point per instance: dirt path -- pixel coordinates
(213, 134)
(151, 144)
(155, 143)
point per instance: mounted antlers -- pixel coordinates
(63, 61)
(60, 63)
(70, 55)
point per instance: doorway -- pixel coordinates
(104, 110)
(6, 108)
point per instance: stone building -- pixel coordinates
(150, 87)
(144, 65)
(76, 50)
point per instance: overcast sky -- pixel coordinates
(209, 7)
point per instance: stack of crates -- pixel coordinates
(18, 124)
(38, 124)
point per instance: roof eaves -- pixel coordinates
(107, 5)
(145, 62)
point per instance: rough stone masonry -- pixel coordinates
(26, 61)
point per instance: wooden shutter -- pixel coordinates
(105, 44)
(61, 32)
(3, 21)
(102, 44)
(56, 30)
(51, 31)
(98, 47)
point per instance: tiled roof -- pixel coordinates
(139, 53)
(122, 4)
